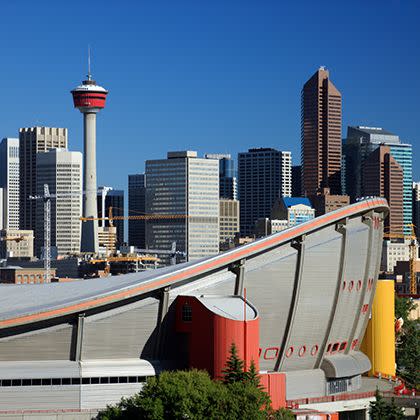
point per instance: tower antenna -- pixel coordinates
(89, 75)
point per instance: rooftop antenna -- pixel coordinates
(89, 75)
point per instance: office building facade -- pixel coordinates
(416, 208)
(228, 220)
(188, 187)
(9, 181)
(321, 134)
(15, 243)
(107, 198)
(228, 184)
(34, 140)
(137, 207)
(361, 141)
(383, 177)
(296, 181)
(264, 175)
(62, 171)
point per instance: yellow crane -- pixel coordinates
(412, 254)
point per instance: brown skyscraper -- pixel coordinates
(383, 177)
(321, 134)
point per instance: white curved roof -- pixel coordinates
(89, 88)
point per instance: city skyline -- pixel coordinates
(234, 85)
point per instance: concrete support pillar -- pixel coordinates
(89, 228)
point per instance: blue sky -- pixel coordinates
(212, 76)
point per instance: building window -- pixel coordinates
(186, 313)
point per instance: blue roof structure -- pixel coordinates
(293, 201)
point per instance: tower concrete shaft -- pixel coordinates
(90, 228)
(89, 98)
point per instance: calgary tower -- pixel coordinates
(89, 98)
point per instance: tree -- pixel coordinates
(382, 410)
(234, 371)
(252, 376)
(408, 344)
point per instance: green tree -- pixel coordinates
(252, 376)
(382, 410)
(282, 414)
(408, 344)
(234, 371)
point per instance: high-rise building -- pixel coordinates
(265, 174)
(228, 187)
(137, 207)
(360, 143)
(416, 208)
(187, 186)
(383, 177)
(9, 181)
(62, 171)
(321, 134)
(296, 181)
(228, 220)
(34, 140)
(108, 197)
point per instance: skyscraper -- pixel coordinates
(62, 171)
(296, 181)
(228, 187)
(188, 186)
(137, 206)
(360, 143)
(9, 181)
(108, 197)
(383, 177)
(265, 174)
(34, 140)
(321, 134)
(416, 207)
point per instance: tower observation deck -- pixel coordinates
(89, 98)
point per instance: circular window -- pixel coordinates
(351, 285)
(344, 285)
(289, 351)
(302, 351)
(314, 350)
(359, 285)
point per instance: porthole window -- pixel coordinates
(314, 350)
(289, 352)
(302, 351)
(351, 285)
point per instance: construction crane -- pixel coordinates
(46, 197)
(140, 217)
(47, 230)
(12, 238)
(413, 245)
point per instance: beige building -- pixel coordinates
(228, 219)
(324, 202)
(19, 275)
(16, 243)
(34, 140)
(62, 171)
(107, 238)
(265, 226)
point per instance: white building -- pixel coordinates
(187, 186)
(392, 252)
(9, 181)
(62, 171)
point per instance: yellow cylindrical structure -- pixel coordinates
(379, 341)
